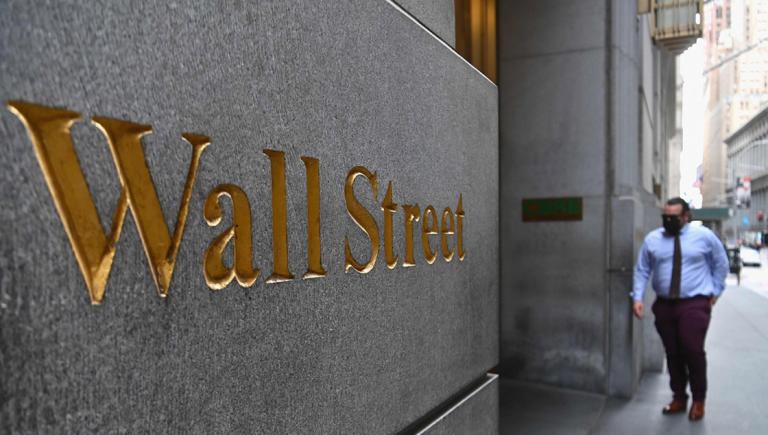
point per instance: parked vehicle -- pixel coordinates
(750, 257)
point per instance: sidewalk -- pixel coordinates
(737, 349)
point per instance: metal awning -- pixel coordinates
(675, 24)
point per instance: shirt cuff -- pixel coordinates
(718, 290)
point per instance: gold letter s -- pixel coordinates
(362, 218)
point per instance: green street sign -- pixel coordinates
(552, 209)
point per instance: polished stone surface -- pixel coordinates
(351, 83)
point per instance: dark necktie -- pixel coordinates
(677, 265)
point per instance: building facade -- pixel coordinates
(747, 171)
(736, 82)
(675, 144)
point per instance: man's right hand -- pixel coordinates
(637, 308)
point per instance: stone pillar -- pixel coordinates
(290, 317)
(569, 111)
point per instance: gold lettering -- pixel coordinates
(428, 226)
(217, 275)
(389, 208)
(49, 131)
(446, 230)
(411, 213)
(362, 218)
(124, 140)
(280, 272)
(315, 265)
(459, 230)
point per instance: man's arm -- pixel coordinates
(642, 272)
(640, 278)
(718, 265)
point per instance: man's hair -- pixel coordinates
(680, 201)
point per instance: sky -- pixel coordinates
(691, 67)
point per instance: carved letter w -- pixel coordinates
(49, 131)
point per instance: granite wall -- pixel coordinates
(346, 82)
(439, 16)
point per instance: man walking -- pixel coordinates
(689, 266)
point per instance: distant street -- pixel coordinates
(754, 278)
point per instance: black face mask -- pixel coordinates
(672, 224)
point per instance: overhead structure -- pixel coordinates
(675, 24)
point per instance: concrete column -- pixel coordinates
(569, 121)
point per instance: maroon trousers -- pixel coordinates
(682, 325)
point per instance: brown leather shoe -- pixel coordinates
(697, 411)
(675, 407)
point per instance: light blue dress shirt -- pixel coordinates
(705, 263)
